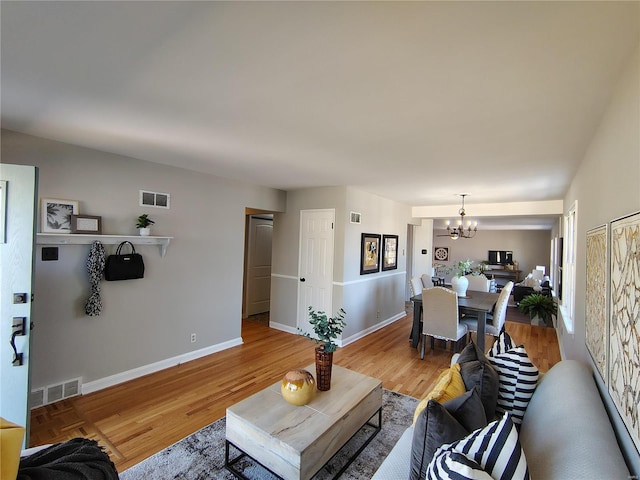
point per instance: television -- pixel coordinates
(500, 257)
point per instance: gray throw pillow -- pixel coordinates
(484, 377)
(440, 424)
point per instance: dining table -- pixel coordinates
(473, 303)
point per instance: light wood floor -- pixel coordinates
(136, 419)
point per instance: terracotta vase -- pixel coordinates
(324, 362)
(298, 387)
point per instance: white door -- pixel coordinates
(258, 286)
(17, 216)
(316, 264)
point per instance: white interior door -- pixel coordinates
(258, 286)
(316, 264)
(17, 223)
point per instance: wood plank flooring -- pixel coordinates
(138, 418)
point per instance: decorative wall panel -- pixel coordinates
(624, 375)
(596, 334)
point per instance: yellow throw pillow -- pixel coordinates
(11, 436)
(448, 386)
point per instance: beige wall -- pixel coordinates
(530, 247)
(196, 288)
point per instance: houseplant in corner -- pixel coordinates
(458, 283)
(143, 223)
(327, 330)
(541, 306)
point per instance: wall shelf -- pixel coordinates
(88, 239)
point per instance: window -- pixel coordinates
(569, 267)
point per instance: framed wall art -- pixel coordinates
(56, 215)
(596, 332)
(390, 252)
(441, 254)
(3, 211)
(370, 253)
(86, 224)
(624, 329)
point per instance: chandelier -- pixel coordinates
(459, 231)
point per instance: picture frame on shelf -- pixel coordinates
(56, 215)
(390, 252)
(369, 253)
(87, 224)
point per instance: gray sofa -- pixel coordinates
(565, 433)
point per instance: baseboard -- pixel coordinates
(112, 380)
(345, 341)
(370, 330)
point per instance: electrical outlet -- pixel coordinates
(193, 338)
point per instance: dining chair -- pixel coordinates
(440, 317)
(416, 286)
(495, 322)
(479, 283)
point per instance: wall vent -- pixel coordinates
(355, 217)
(37, 398)
(155, 199)
(55, 393)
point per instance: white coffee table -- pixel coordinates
(296, 442)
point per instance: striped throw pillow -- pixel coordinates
(449, 465)
(495, 448)
(517, 379)
(503, 344)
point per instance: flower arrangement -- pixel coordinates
(460, 268)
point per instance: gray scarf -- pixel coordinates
(95, 267)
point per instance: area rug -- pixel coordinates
(200, 456)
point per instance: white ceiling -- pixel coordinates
(413, 101)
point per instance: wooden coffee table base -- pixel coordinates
(229, 463)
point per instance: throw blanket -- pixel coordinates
(77, 459)
(95, 267)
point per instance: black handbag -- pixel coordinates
(124, 267)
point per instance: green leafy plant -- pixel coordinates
(144, 221)
(460, 268)
(326, 328)
(539, 305)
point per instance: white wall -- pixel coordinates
(606, 186)
(369, 300)
(196, 288)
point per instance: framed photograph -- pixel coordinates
(370, 253)
(3, 211)
(86, 224)
(390, 249)
(56, 215)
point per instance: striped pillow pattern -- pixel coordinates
(495, 448)
(449, 465)
(517, 378)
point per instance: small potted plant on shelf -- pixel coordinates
(541, 306)
(143, 223)
(327, 330)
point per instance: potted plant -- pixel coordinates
(143, 223)
(458, 282)
(538, 305)
(327, 330)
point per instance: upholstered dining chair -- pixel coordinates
(416, 286)
(479, 283)
(440, 317)
(495, 321)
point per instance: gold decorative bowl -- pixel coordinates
(298, 387)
